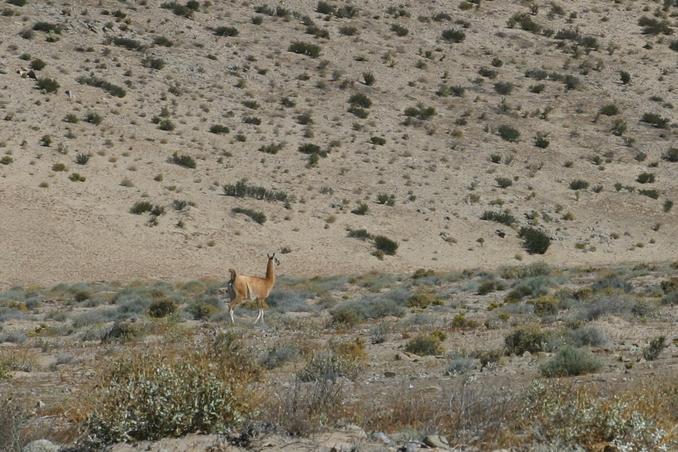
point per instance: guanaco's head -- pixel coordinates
(271, 257)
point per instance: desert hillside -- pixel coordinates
(449, 128)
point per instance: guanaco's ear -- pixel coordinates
(268, 256)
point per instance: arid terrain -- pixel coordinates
(467, 109)
(472, 203)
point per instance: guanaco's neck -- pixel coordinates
(270, 272)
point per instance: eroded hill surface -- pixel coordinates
(411, 121)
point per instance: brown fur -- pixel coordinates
(243, 287)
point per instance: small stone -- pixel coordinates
(381, 436)
(40, 445)
(436, 441)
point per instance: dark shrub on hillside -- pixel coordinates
(453, 35)
(49, 85)
(570, 361)
(304, 48)
(508, 133)
(534, 240)
(385, 245)
(162, 308)
(527, 339)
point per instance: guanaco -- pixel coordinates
(243, 287)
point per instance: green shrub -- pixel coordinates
(162, 41)
(93, 118)
(178, 9)
(653, 26)
(625, 77)
(399, 30)
(81, 159)
(162, 308)
(242, 189)
(527, 339)
(645, 178)
(183, 160)
(500, 217)
(309, 148)
(579, 184)
(609, 110)
(652, 351)
(541, 141)
(453, 35)
(534, 240)
(153, 395)
(360, 100)
(674, 45)
(525, 22)
(420, 112)
(379, 141)
(48, 27)
(508, 133)
(141, 207)
(503, 88)
(489, 286)
(654, 194)
(503, 182)
(423, 298)
(272, 148)
(49, 85)
(129, 44)
(671, 155)
(226, 31)
(655, 120)
(219, 129)
(385, 245)
(328, 365)
(110, 88)
(37, 64)
(425, 345)
(17, 2)
(570, 361)
(386, 199)
(255, 215)
(166, 124)
(153, 63)
(305, 48)
(6, 160)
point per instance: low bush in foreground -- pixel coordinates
(156, 394)
(570, 361)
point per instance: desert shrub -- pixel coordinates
(272, 148)
(166, 124)
(37, 64)
(459, 365)
(487, 73)
(655, 120)
(279, 355)
(152, 395)
(360, 234)
(178, 9)
(81, 159)
(370, 308)
(162, 307)
(110, 88)
(503, 88)
(425, 345)
(423, 298)
(645, 178)
(153, 63)
(588, 335)
(305, 48)
(129, 44)
(48, 27)
(609, 110)
(162, 41)
(525, 22)
(652, 351)
(226, 31)
(570, 361)
(653, 26)
(420, 112)
(6, 160)
(379, 141)
(219, 129)
(385, 245)
(654, 194)
(625, 77)
(500, 217)
(201, 310)
(534, 240)
(93, 118)
(141, 207)
(399, 30)
(255, 215)
(579, 184)
(121, 331)
(453, 35)
(328, 365)
(489, 286)
(242, 189)
(527, 339)
(360, 100)
(49, 85)
(508, 133)
(183, 160)
(361, 209)
(386, 199)
(503, 182)
(671, 155)
(17, 2)
(309, 148)
(611, 305)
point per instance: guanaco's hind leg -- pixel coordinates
(231, 307)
